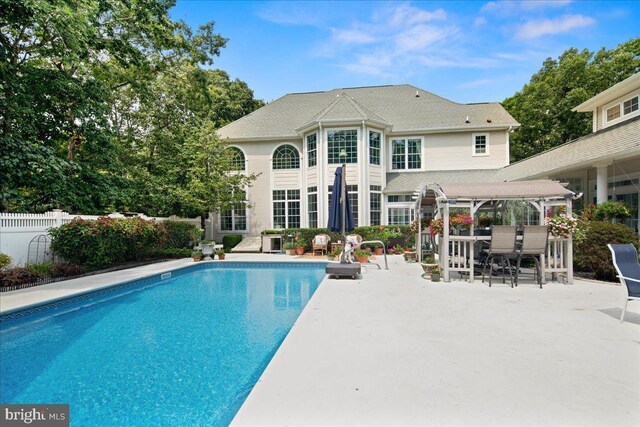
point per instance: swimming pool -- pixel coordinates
(181, 350)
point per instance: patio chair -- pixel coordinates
(625, 260)
(503, 246)
(534, 244)
(320, 243)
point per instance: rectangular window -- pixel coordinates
(406, 153)
(353, 200)
(631, 105)
(375, 204)
(338, 140)
(399, 198)
(480, 145)
(234, 219)
(312, 150)
(401, 216)
(312, 206)
(286, 208)
(613, 113)
(374, 148)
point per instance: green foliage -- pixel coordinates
(104, 107)
(173, 253)
(5, 260)
(67, 269)
(592, 253)
(611, 209)
(107, 241)
(288, 246)
(182, 234)
(543, 106)
(230, 241)
(17, 276)
(389, 233)
(42, 270)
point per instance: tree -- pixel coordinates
(543, 106)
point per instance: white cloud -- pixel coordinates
(479, 22)
(352, 36)
(542, 27)
(409, 15)
(511, 7)
(420, 37)
(476, 83)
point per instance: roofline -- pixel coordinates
(608, 95)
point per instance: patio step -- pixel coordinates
(251, 244)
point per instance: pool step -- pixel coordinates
(250, 244)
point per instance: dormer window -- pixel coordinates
(613, 113)
(630, 105)
(622, 109)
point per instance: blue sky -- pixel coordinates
(464, 51)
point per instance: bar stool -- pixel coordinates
(503, 246)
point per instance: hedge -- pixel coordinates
(389, 234)
(182, 234)
(230, 241)
(591, 252)
(107, 241)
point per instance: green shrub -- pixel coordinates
(5, 260)
(230, 241)
(107, 241)
(174, 253)
(42, 270)
(67, 269)
(17, 276)
(612, 209)
(182, 234)
(398, 234)
(592, 254)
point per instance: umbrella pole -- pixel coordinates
(344, 211)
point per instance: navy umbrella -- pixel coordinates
(336, 208)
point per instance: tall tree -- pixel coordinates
(543, 106)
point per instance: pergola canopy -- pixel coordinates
(542, 189)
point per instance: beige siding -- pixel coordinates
(375, 175)
(312, 177)
(286, 179)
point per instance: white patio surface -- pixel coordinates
(395, 349)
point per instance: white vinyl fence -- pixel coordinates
(18, 230)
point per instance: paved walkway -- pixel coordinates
(394, 349)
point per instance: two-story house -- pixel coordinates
(386, 132)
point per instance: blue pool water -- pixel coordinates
(181, 351)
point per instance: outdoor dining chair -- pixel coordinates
(625, 260)
(503, 246)
(534, 244)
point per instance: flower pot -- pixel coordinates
(378, 251)
(428, 267)
(300, 250)
(435, 277)
(362, 259)
(197, 258)
(207, 250)
(291, 252)
(410, 256)
(221, 256)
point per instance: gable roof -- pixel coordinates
(396, 107)
(619, 89)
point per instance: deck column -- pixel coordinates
(602, 186)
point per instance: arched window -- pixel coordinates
(237, 159)
(286, 157)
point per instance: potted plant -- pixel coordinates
(300, 247)
(410, 254)
(362, 255)
(335, 253)
(398, 250)
(220, 254)
(378, 250)
(196, 255)
(428, 264)
(207, 248)
(435, 274)
(290, 247)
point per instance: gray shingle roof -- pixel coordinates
(404, 182)
(396, 105)
(602, 145)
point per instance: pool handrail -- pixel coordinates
(384, 251)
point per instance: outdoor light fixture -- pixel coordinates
(343, 153)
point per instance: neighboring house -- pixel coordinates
(387, 132)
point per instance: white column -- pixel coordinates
(602, 185)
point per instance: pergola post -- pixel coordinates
(445, 240)
(569, 247)
(472, 210)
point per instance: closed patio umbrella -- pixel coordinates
(340, 215)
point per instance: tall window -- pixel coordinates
(312, 149)
(375, 204)
(234, 219)
(374, 148)
(312, 206)
(480, 144)
(286, 208)
(406, 153)
(237, 159)
(286, 157)
(338, 140)
(353, 200)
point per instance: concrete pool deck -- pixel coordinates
(394, 349)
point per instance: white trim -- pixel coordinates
(473, 145)
(620, 103)
(280, 145)
(406, 154)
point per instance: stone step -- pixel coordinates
(249, 244)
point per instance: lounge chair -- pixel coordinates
(625, 260)
(320, 243)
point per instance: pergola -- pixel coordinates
(456, 253)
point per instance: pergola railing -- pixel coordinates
(458, 253)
